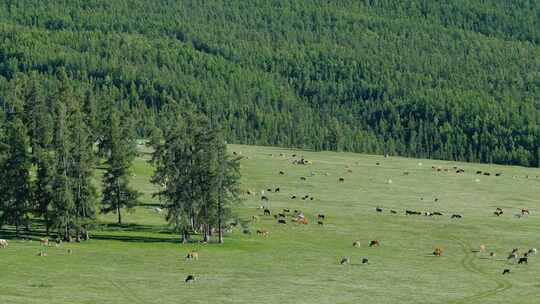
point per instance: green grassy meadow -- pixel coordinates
(141, 262)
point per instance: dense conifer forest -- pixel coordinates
(450, 79)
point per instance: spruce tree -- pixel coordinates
(81, 171)
(117, 192)
(15, 170)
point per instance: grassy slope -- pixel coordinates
(141, 263)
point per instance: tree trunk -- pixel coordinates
(118, 202)
(119, 215)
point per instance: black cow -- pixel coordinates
(303, 178)
(456, 216)
(341, 179)
(264, 198)
(393, 211)
(523, 260)
(379, 209)
(266, 211)
(190, 278)
(277, 190)
(282, 221)
(437, 213)
(365, 261)
(506, 271)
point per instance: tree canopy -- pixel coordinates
(455, 80)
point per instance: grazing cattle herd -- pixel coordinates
(285, 217)
(300, 218)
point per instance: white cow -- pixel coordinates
(3, 243)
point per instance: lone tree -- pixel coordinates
(198, 182)
(117, 193)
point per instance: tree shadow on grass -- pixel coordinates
(135, 238)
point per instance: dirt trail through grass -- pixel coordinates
(467, 262)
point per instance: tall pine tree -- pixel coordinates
(117, 193)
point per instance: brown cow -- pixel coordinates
(262, 232)
(374, 243)
(438, 252)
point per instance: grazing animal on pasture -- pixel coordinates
(262, 232)
(525, 212)
(44, 242)
(512, 256)
(311, 198)
(282, 221)
(69, 251)
(281, 215)
(321, 216)
(281, 173)
(344, 260)
(478, 172)
(393, 211)
(365, 261)
(482, 248)
(302, 178)
(42, 254)
(409, 212)
(356, 244)
(437, 213)
(157, 210)
(378, 164)
(286, 210)
(264, 198)
(498, 212)
(523, 260)
(374, 243)
(438, 252)
(379, 209)
(492, 254)
(276, 216)
(498, 174)
(532, 251)
(192, 255)
(254, 218)
(190, 278)
(266, 211)
(293, 197)
(320, 223)
(341, 179)
(3, 243)
(487, 173)
(456, 216)
(506, 271)
(276, 190)
(302, 220)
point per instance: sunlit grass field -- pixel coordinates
(142, 262)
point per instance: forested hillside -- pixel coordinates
(452, 79)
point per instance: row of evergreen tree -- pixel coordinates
(52, 143)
